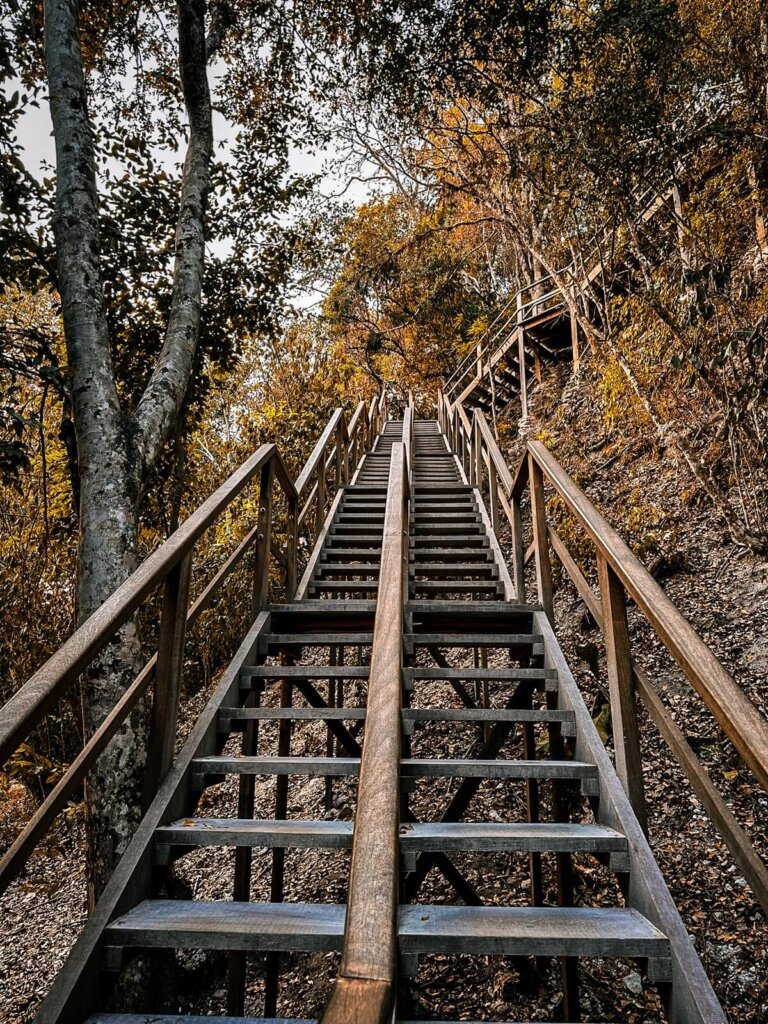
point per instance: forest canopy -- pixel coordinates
(259, 212)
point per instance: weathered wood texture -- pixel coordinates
(364, 989)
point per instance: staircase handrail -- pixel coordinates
(623, 574)
(364, 989)
(170, 566)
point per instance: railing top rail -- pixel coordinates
(27, 706)
(494, 453)
(317, 452)
(359, 413)
(739, 718)
(367, 973)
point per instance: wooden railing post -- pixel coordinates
(168, 674)
(291, 544)
(263, 543)
(477, 455)
(320, 507)
(621, 688)
(541, 539)
(493, 494)
(518, 547)
(340, 459)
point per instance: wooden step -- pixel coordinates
(457, 569)
(205, 770)
(272, 641)
(438, 540)
(421, 555)
(566, 719)
(526, 931)
(234, 719)
(347, 568)
(419, 517)
(343, 586)
(474, 768)
(289, 834)
(205, 924)
(493, 675)
(171, 1018)
(303, 672)
(475, 586)
(335, 540)
(493, 837)
(534, 641)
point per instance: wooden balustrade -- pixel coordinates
(170, 567)
(620, 574)
(365, 987)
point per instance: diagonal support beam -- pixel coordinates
(462, 798)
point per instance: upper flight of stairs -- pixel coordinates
(500, 761)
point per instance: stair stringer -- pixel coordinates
(691, 998)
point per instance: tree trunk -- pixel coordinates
(107, 557)
(115, 454)
(108, 485)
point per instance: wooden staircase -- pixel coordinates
(537, 325)
(479, 718)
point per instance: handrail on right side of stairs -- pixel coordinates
(621, 574)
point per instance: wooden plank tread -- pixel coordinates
(305, 671)
(216, 924)
(566, 718)
(315, 639)
(420, 767)
(266, 765)
(228, 716)
(171, 1018)
(473, 639)
(256, 832)
(511, 837)
(542, 931)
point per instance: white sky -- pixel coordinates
(39, 155)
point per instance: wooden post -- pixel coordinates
(523, 382)
(533, 815)
(493, 494)
(264, 539)
(320, 507)
(341, 460)
(518, 546)
(626, 739)
(243, 857)
(569, 965)
(170, 664)
(476, 468)
(291, 546)
(277, 884)
(541, 539)
(521, 358)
